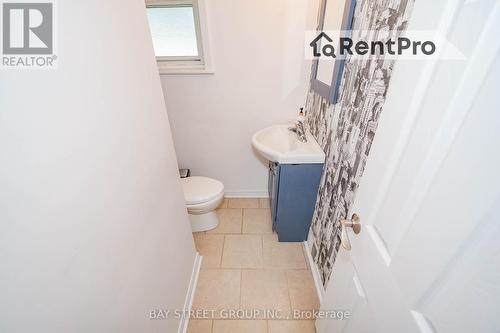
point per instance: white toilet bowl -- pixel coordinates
(203, 195)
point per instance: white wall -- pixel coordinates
(261, 78)
(93, 227)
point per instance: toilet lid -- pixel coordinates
(201, 189)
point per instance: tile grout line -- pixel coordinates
(262, 249)
(241, 286)
(222, 252)
(289, 297)
(242, 217)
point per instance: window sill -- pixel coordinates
(188, 70)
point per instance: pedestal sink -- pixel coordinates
(278, 144)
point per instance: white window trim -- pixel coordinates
(181, 65)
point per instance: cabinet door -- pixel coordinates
(273, 189)
(270, 180)
(297, 191)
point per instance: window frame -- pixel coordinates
(200, 64)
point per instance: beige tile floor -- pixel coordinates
(244, 267)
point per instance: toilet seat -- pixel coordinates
(201, 190)
(204, 207)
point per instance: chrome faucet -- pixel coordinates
(300, 130)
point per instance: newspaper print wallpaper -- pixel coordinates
(346, 130)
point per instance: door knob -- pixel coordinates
(352, 223)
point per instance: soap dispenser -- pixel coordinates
(302, 116)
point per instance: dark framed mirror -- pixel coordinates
(335, 16)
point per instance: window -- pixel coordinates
(178, 31)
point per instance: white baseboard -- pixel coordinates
(315, 273)
(188, 303)
(246, 194)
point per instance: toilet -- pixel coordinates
(203, 195)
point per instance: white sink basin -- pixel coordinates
(278, 144)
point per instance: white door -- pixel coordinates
(428, 255)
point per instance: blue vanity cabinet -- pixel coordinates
(292, 190)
